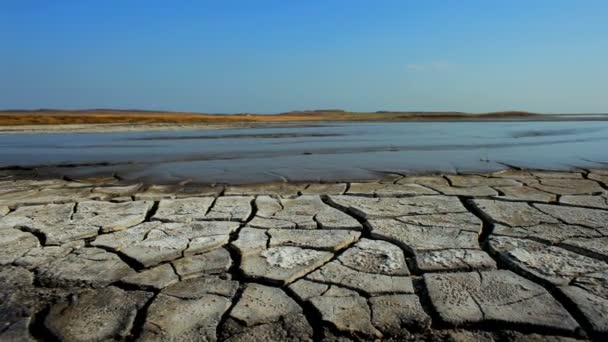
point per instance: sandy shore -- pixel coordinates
(512, 255)
(271, 123)
(106, 128)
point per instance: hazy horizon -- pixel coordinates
(277, 56)
(289, 111)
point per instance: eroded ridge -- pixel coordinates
(514, 255)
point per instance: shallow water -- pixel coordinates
(334, 151)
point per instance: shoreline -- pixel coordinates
(104, 179)
(159, 127)
(127, 173)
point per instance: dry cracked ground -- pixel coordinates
(514, 255)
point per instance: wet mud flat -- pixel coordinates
(515, 255)
(329, 152)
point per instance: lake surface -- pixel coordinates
(333, 151)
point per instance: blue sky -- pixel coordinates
(273, 56)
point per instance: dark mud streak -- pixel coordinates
(152, 211)
(553, 132)
(241, 136)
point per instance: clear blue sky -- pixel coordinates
(273, 56)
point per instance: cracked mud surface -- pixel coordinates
(509, 256)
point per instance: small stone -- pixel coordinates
(373, 256)
(454, 260)
(216, 261)
(96, 315)
(495, 296)
(393, 314)
(155, 278)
